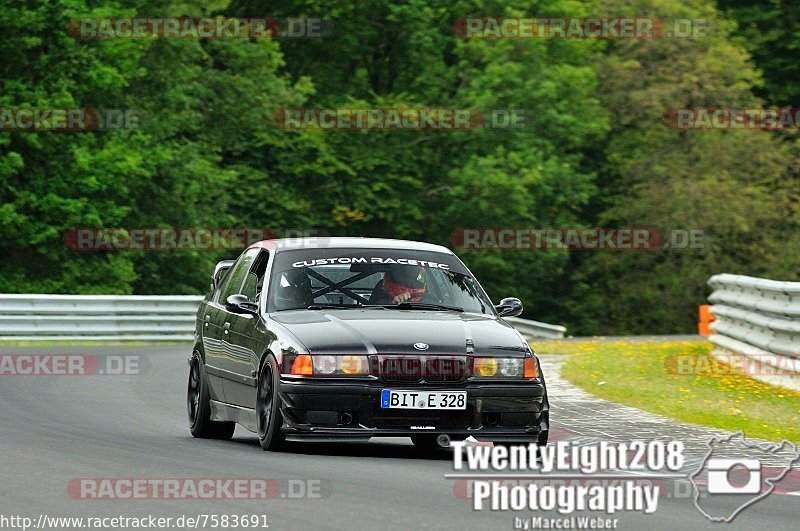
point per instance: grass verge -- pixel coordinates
(644, 374)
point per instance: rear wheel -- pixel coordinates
(268, 415)
(199, 407)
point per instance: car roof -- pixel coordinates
(327, 242)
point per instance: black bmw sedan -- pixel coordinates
(344, 339)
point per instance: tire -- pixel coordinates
(199, 408)
(268, 414)
(542, 440)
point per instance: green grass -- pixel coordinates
(644, 374)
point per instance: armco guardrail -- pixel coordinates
(536, 329)
(98, 317)
(131, 317)
(757, 327)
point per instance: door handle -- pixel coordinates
(226, 327)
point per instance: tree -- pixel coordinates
(720, 182)
(770, 31)
(204, 104)
(426, 184)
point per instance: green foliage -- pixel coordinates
(206, 109)
(725, 183)
(770, 31)
(594, 150)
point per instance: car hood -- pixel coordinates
(362, 331)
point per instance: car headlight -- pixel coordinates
(485, 367)
(505, 368)
(324, 365)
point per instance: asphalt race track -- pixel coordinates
(54, 429)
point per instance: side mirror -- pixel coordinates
(219, 272)
(509, 307)
(239, 303)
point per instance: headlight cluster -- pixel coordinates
(505, 368)
(322, 365)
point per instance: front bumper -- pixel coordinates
(338, 411)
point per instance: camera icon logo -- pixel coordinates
(719, 476)
(736, 473)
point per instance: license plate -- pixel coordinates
(423, 399)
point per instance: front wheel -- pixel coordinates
(199, 408)
(542, 439)
(268, 415)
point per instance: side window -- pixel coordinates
(250, 286)
(236, 276)
(254, 282)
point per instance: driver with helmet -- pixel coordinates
(400, 284)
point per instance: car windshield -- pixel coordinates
(349, 278)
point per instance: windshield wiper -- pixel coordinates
(328, 306)
(422, 306)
